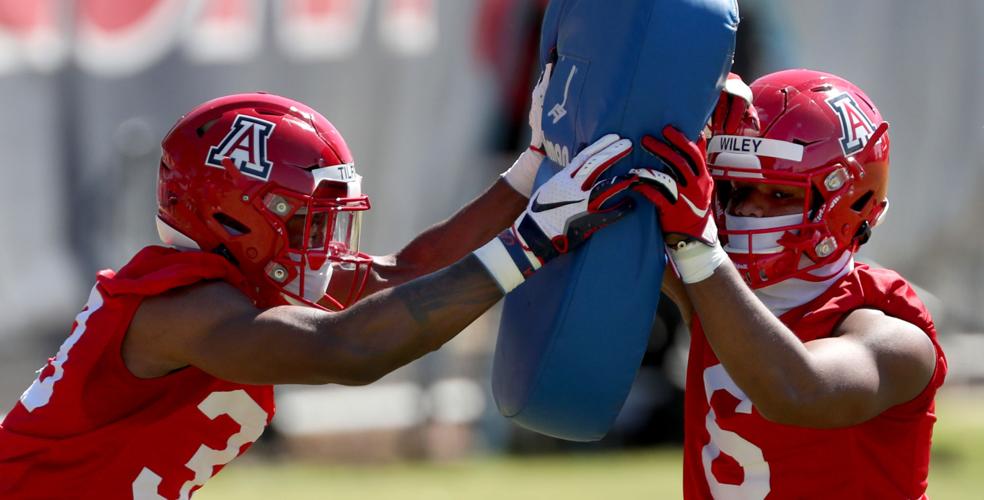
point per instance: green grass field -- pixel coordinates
(957, 472)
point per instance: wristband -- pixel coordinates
(507, 261)
(522, 173)
(696, 261)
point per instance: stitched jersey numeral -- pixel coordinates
(239, 406)
(755, 483)
(40, 392)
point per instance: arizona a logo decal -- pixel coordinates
(856, 128)
(246, 146)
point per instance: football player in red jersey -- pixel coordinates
(809, 375)
(167, 373)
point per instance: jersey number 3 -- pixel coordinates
(239, 406)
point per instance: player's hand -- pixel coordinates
(734, 112)
(563, 213)
(573, 204)
(682, 194)
(523, 172)
(682, 190)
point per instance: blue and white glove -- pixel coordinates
(562, 214)
(523, 172)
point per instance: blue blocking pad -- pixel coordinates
(572, 337)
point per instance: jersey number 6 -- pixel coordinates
(755, 484)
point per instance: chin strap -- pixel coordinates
(794, 292)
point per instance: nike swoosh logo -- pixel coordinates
(693, 208)
(538, 207)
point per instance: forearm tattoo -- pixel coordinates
(463, 289)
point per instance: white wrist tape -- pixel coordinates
(500, 265)
(696, 261)
(522, 173)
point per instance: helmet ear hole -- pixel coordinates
(232, 226)
(862, 202)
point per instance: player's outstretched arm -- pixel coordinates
(477, 222)
(447, 241)
(215, 328)
(222, 333)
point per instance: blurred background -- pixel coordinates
(432, 96)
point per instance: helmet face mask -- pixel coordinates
(798, 246)
(322, 237)
(270, 184)
(819, 134)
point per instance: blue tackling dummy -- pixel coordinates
(572, 337)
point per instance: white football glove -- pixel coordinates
(536, 109)
(562, 214)
(523, 172)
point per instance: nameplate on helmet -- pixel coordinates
(338, 173)
(755, 146)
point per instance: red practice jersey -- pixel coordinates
(88, 428)
(730, 451)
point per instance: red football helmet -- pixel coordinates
(270, 184)
(818, 132)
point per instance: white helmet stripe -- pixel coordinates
(755, 146)
(344, 172)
